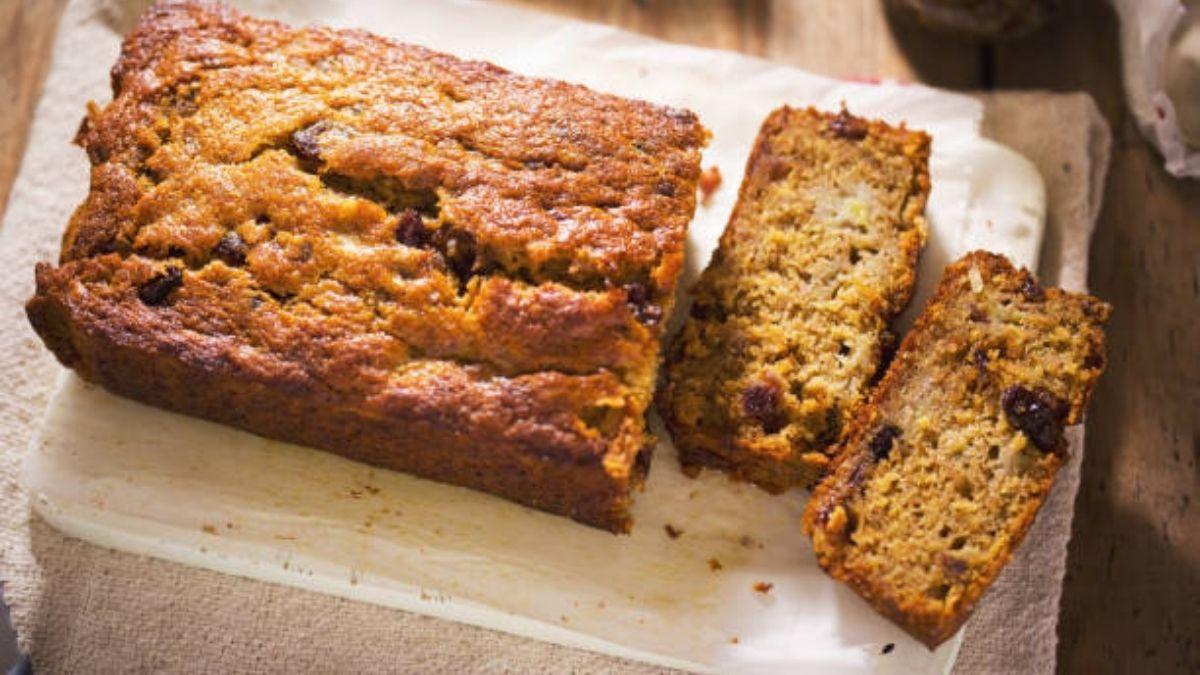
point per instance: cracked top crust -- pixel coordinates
(479, 214)
(338, 208)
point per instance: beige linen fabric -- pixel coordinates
(82, 608)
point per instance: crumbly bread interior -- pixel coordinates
(790, 319)
(944, 470)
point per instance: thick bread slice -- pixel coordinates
(942, 472)
(790, 321)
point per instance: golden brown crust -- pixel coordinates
(790, 320)
(941, 474)
(333, 238)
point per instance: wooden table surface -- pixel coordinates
(1131, 601)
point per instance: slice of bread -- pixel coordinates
(941, 474)
(790, 321)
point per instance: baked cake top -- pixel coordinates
(466, 212)
(332, 221)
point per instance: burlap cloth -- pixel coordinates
(81, 608)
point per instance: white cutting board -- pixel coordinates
(143, 480)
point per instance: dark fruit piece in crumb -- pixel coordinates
(1037, 413)
(672, 531)
(761, 402)
(848, 126)
(157, 289)
(639, 301)
(1032, 290)
(231, 249)
(410, 229)
(882, 443)
(305, 143)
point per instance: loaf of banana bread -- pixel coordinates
(791, 318)
(941, 474)
(335, 239)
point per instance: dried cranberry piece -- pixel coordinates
(848, 126)
(761, 402)
(882, 442)
(231, 249)
(639, 301)
(305, 141)
(410, 229)
(1037, 413)
(157, 289)
(665, 188)
(1032, 291)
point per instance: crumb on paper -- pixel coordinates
(371, 489)
(734, 640)
(710, 181)
(565, 619)
(228, 525)
(208, 529)
(715, 565)
(284, 537)
(672, 531)
(887, 649)
(763, 587)
(747, 541)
